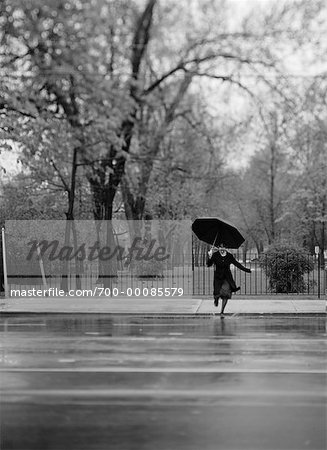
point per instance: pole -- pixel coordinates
(4, 259)
(44, 280)
(193, 257)
(317, 252)
(318, 276)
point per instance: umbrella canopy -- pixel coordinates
(215, 231)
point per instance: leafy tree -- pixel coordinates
(205, 52)
(310, 165)
(108, 67)
(187, 163)
(55, 46)
(23, 199)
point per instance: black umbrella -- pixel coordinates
(215, 231)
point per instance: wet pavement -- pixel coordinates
(101, 381)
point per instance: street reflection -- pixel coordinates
(184, 326)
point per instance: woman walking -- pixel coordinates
(223, 282)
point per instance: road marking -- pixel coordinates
(213, 339)
(163, 393)
(25, 324)
(66, 360)
(159, 370)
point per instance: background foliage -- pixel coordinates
(134, 108)
(285, 266)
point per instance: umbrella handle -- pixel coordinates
(214, 242)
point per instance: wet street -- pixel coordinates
(93, 381)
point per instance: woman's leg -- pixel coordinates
(216, 289)
(223, 306)
(226, 294)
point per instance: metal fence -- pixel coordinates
(183, 273)
(190, 277)
(258, 283)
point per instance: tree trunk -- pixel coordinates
(103, 190)
(70, 225)
(103, 193)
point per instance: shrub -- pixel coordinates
(285, 266)
(149, 269)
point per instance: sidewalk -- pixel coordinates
(156, 305)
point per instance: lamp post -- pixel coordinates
(317, 251)
(4, 259)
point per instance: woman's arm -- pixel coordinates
(239, 265)
(209, 261)
(209, 258)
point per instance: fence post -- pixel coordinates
(4, 259)
(318, 277)
(192, 256)
(44, 280)
(317, 251)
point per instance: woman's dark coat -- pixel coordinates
(223, 272)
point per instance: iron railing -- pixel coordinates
(191, 275)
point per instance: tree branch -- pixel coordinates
(67, 188)
(226, 78)
(141, 37)
(182, 65)
(6, 107)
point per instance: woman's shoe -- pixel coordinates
(236, 289)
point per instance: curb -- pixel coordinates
(166, 315)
